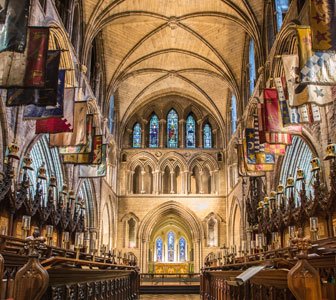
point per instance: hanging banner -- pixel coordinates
(59, 124)
(32, 112)
(322, 21)
(272, 111)
(38, 40)
(92, 171)
(78, 136)
(40, 97)
(13, 33)
(315, 67)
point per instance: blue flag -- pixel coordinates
(41, 112)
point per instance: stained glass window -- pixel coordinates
(190, 132)
(171, 246)
(233, 114)
(159, 249)
(172, 129)
(111, 114)
(252, 66)
(137, 136)
(281, 7)
(154, 132)
(298, 156)
(182, 244)
(207, 136)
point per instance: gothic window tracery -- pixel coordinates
(252, 66)
(137, 136)
(233, 114)
(298, 156)
(159, 246)
(281, 8)
(172, 129)
(42, 154)
(190, 132)
(154, 132)
(207, 136)
(171, 246)
(182, 246)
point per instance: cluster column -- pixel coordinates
(182, 123)
(161, 133)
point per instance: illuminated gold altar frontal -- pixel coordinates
(171, 268)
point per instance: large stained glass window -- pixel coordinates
(154, 132)
(137, 136)
(207, 136)
(182, 245)
(252, 66)
(171, 246)
(172, 129)
(281, 7)
(298, 156)
(233, 114)
(159, 246)
(190, 132)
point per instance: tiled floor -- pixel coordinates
(169, 297)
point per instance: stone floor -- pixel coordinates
(169, 297)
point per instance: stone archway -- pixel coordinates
(159, 214)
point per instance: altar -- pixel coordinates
(172, 268)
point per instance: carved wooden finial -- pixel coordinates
(32, 280)
(303, 279)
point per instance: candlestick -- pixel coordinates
(66, 239)
(25, 225)
(49, 234)
(313, 228)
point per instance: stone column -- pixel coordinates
(185, 183)
(159, 182)
(201, 191)
(215, 141)
(182, 141)
(200, 134)
(143, 182)
(129, 141)
(172, 173)
(161, 133)
(143, 137)
(215, 182)
(131, 181)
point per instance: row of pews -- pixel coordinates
(31, 270)
(300, 272)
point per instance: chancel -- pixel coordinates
(163, 149)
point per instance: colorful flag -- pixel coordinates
(250, 145)
(285, 111)
(87, 146)
(14, 30)
(92, 157)
(92, 171)
(277, 149)
(260, 163)
(272, 111)
(315, 67)
(303, 93)
(322, 21)
(32, 111)
(276, 138)
(38, 39)
(78, 136)
(57, 124)
(40, 97)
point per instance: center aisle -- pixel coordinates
(169, 297)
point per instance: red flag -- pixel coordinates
(38, 40)
(272, 111)
(57, 125)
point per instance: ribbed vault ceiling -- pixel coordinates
(191, 47)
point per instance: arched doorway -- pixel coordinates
(170, 234)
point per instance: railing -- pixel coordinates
(169, 279)
(54, 273)
(294, 276)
